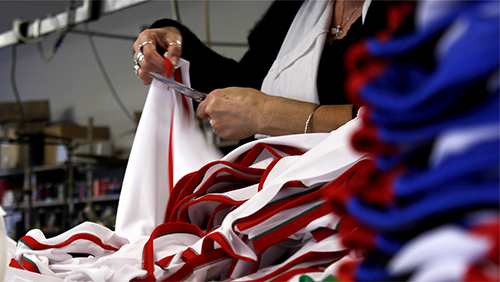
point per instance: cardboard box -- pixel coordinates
(76, 131)
(57, 154)
(33, 110)
(12, 129)
(15, 155)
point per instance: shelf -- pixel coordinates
(48, 204)
(56, 203)
(105, 198)
(48, 167)
(11, 172)
(20, 171)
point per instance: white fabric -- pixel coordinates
(456, 141)
(145, 189)
(329, 156)
(17, 275)
(322, 163)
(295, 70)
(442, 254)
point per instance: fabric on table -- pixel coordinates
(232, 218)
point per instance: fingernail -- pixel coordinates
(175, 61)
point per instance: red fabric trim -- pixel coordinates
(266, 173)
(14, 264)
(381, 193)
(223, 242)
(148, 250)
(207, 245)
(231, 268)
(323, 233)
(202, 260)
(360, 238)
(491, 230)
(311, 256)
(362, 68)
(168, 67)
(347, 225)
(179, 209)
(35, 245)
(175, 193)
(251, 155)
(396, 16)
(476, 273)
(164, 262)
(272, 209)
(346, 271)
(178, 77)
(339, 191)
(256, 264)
(219, 208)
(187, 192)
(281, 233)
(171, 155)
(366, 139)
(29, 265)
(294, 184)
(189, 254)
(183, 213)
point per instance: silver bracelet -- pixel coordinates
(309, 118)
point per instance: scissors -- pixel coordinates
(179, 87)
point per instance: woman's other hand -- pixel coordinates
(234, 112)
(168, 38)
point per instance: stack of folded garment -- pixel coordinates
(259, 214)
(428, 208)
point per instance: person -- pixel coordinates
(235, 107)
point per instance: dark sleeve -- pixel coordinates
(210, 70)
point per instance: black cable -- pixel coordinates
(13, 83)
(106, 77)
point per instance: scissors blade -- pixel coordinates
(179, 87)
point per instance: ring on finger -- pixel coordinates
(175, 42)
(139, 58)
(144, 43)
(136, 69)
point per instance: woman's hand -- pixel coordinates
(166, 38)
(234, 112)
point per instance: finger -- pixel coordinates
(174, 48)
(153, 60)
(144, 76)
(174, 53)
(149, 50)
(200, 111)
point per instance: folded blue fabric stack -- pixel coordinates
(430, 106)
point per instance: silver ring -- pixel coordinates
(144, 43)
(175, 42)
(139, 59)
(136, 69)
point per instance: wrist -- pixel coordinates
(309, 120)
(264, 114)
